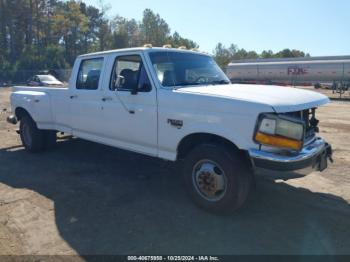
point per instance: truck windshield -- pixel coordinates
(176, 69)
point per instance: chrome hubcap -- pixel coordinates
(209, 180)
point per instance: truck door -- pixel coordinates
(129, 105)
(85, 98)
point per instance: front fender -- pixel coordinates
(233, 120)
(237, 129)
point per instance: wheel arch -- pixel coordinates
(21, 112)
(190, 141)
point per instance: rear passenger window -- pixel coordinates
(89, 74)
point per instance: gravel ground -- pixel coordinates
(83, 198)
(328, 92)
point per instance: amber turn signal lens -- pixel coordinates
(278, 141)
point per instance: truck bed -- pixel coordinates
(49, 106)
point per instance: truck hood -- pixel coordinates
(281, 99)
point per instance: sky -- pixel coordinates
(318, 27)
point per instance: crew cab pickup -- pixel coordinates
(178, 105)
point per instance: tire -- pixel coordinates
(32, 137)
(217, 179)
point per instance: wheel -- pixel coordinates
(217, 179)
(32, 137)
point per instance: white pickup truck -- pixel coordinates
(178, 105)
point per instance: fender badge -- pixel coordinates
(175, 123)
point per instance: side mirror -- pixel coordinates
(146, 87)
(134, 91)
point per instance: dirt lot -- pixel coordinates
(328, 92)
(84, 198)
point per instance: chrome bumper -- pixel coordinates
(315, 155)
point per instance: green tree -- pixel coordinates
(90, 36)
(176, 40)
(154, 29)
(57, 59)
(71, 24)
(222, 55)
(285, 53)
(49, 34)
(267, 54)
(126, 33)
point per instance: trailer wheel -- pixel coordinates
(32, 137)
(217, 179)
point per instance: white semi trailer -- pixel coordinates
(292, 71)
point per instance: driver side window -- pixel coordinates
(129, 74)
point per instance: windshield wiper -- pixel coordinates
(219, 82)
(187, 84)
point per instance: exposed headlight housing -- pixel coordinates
(279, 131)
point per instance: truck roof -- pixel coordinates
(144, 49)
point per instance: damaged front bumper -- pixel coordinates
(315, 155)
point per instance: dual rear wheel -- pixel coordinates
(34, 139)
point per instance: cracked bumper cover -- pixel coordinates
(315, 155)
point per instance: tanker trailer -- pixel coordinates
(315, 71)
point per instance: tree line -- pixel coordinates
(224, 55)
(49, 34)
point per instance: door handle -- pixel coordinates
(104, 99)
(73, 96)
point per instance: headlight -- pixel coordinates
(273, 130)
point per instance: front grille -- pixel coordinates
(309, 118)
